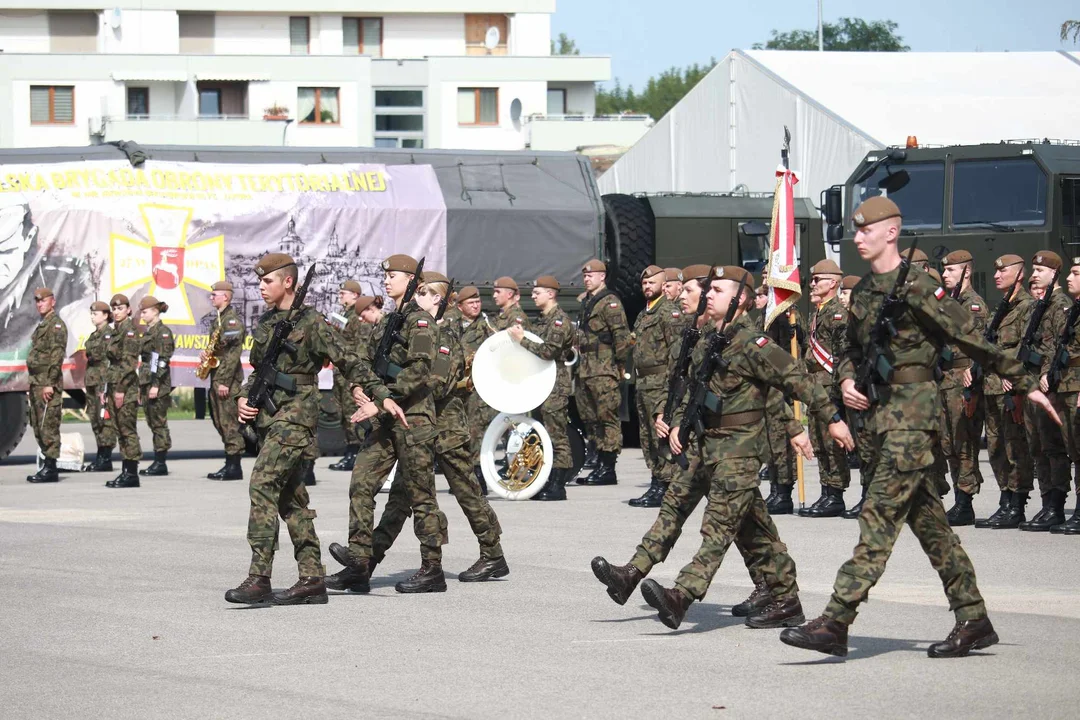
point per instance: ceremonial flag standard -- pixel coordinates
(782, 272)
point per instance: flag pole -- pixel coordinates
(793, 324)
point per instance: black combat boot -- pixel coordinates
(429, 578)
(348, 460)
(1070, 526)
(620, 580)
(605, 471)
(590, 457)
(782, 504)
(777, 614)
(306, 591)
(102, 461)
(671, 604)
(820, 634)
(1003, 506)
(830, 505)
(1014, 514)
(255, 589)
(757, 601)
(821, 498)
(1053, 513)
(481, 480)
(852, 513)
(307, 472)
(966, 635)
(485, 569)
(128, 477)
(640, 501)
(349, 580)
(230, 471)
(555, 487)
(657, 498)
(771, 498)
(961, 514)
(157, 468)
(49, 474)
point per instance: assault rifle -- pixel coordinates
(445, 301)
(395, 321)
(1061, 352)
(680, 373)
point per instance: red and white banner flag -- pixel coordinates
(782, 272)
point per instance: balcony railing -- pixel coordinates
(185, 130)
(576, 131)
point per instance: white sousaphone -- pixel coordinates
(513, 381)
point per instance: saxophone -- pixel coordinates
(205, 366)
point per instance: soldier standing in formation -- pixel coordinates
(225, 380)
(846, 286)
(45, 365)
(475, 329)
(657, 329)
(155, 380)
(349, 324)
(123, 383)
(1068, 400)
(603, 341)
(97, 369)
(673, 284)
(903, 489)
(557, 334)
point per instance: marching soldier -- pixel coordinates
(97, 368)
(123, 396)
(225, 380)
(155, 380)
(475, 329)
(657, 329)
(557, 334)
(1068, 394)
(604, 344)
(673, 284)
(369, 310)
(961, 397)
(45, 365)
(780, 468)
(276, 486)
(349, 325)
(903, 489)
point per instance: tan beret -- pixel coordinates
(467, 293)
(99, 307)
(1076, 261)
(849, 282)
(222, 286)
(431, 276)
(1007, 260)
(917, 256)
(733, 273)
(695, 272)
(594, 265)
(1047, 258)
(956, 257)
(826, 267)
(363, 303)
(400, 263)
(672, 275)
(149, 301)
(547, 281)
(352, 286)
(650, 271)
(932, 272)
(762, 290)
(119, 299)
(271, 262)
(42, 293)
(874, 210)
(506, 283)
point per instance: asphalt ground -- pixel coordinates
(112, 607)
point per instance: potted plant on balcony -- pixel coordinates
(276, 112)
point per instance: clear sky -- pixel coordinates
(644, 37)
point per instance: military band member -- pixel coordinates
(155, 380)
(557, 333)
(603, 340)
(475, 329)
(123, 396)
(961, 397)
(673, 284)
(45, 365)
(903, 489)
(1068, 395)
(348, 324)
(225, 380)
(97, 369)
(276, 487)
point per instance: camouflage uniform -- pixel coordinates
(473, 335)
(557, 333)
(1067, 392)
(907, 419)
(1045, 438)
(45, 364)
(123, 354)
(229, 373)
(827, 325)
(96, 380)
(960, 434)
(1006, 440)
(154, 372)
(603, 340)
(657, 330)
(781, 457)
(350, 336)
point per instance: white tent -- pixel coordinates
(840, 105)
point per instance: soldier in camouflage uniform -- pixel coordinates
(557, 334)
(903, 489)
(155, 380)
(45, 365)
(731, 450)
(781, 462)
(123, 383)
(276, 487)
(1068, 395)
(225, 380)
(603, 340)
(97, 368)
(349, 324)
(475, 329)
(673, 284)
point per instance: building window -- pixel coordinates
(478, 106)
(73, 31)
(556, 101)
(299, 35)
(222, 99)
(363, 36)
(52, 104)
(476, 30)
(399, 99)
(138, 103)
(196, 33)
(318, 105)
(399, 118)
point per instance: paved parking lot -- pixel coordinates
(113, 608)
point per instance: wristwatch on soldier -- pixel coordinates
(835, 418)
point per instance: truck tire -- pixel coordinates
(630, 233)
(13, 413)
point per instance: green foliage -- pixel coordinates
(661, 93)
(846, 34)
(1070, 31)
(564, 46)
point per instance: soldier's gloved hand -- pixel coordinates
(673, 441)
(1044, 384)
(1037, 397)
(247, 413)
(118, 399)
(662, 428)
(801, 443)
(852, 397)
(516, 333)
(366, 411)
(840, 432)
(223, 391)
(47, 393)
(394, 409)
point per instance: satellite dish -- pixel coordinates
(491, 38)
(115, 18)
(515, 113)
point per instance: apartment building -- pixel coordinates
(470, 74)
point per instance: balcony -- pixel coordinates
(174, 130)
(573, 132)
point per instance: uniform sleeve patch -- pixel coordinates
(57, 326)
(164, 335)
(444, 350)
(558, 323)
(232, 322)
(838, 316)
(675, 314)
(762, 341)
(131, 333)
(939, 293)
(976, 308)
(421, 323)
(613, 304)
(518, 320)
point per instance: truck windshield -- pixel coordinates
(1002, 192)
(922, 200)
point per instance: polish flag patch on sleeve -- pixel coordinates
(613, 304)
(674, 314)
(444, 350)
(762, 341)
(976, 308)
(939, 293)
(558, 323)
(421, 323)
(838, 316)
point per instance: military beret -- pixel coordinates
(352, 286)
(1047, 258)
(594, 265)
(431, 276)
(400, 263)
(762, 290)
(99, 306)
(1076, 261)
(271, 262)
(506, 283)
(733, 273)
(672, 275)
(119, 299)
(547, 281)
(650, 271)
(1007, 260)
(849, 282)
(222, 285)
(934, 274)
(363, 303)
(917, 256)
(695, 272)
(149, 301)
(467, 293)
(957, 257)
(42, 293)
(826, 267)
(874, 210)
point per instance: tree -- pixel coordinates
(845, 34)
(660, 95)
(1070, 31)
(565, 46)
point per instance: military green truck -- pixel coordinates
(1009, 197)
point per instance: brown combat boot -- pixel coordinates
(778, 613)
(966, 635)
(821, 634)
(670, 604)
(255, 589)
(307, 591)
(485, 569)
(619, 579)
(429, 578)
(757, 601)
